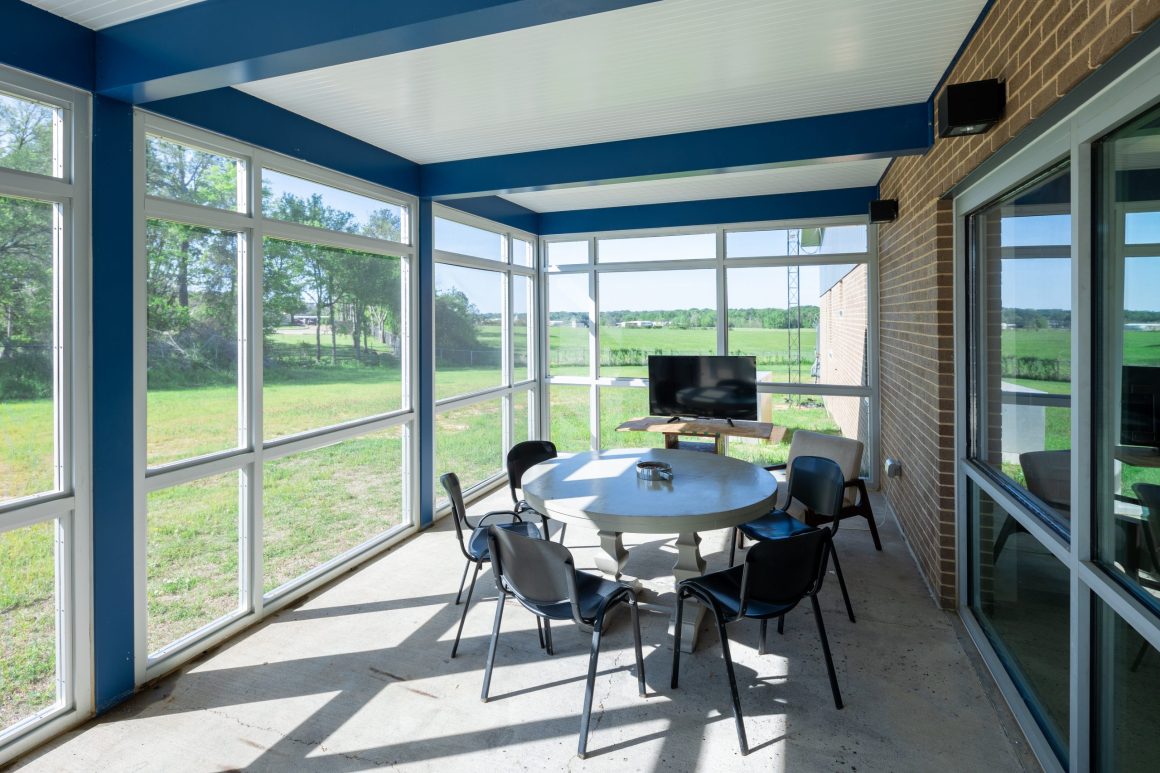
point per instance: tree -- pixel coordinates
(26, 135)
(455, 322)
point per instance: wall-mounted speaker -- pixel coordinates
(883, 210)
(970, 108)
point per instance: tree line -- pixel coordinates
(771, 319)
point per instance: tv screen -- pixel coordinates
(1140, 406)
(709, 387)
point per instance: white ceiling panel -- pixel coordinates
(98, 14)
(673, 66)
(815, 177)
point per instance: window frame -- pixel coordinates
(1074, 138)
(720, 264)
(249, 457)
(509, 386)
(69, 502)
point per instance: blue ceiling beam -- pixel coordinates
(249, 119)
(40, 42)
(500, 211)
(219, 43)
(879, 133)
(842, 202)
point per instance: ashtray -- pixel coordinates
(654, 471)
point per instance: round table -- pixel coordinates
(601, 489)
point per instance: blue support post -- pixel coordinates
(112, 376)
(425, 340)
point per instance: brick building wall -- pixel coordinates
(1042, 48)
(843, 319)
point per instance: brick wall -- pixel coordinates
(842, 324)
(1042, 48)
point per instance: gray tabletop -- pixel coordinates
(601, 488)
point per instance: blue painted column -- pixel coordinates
(112, 424)
(425, 340)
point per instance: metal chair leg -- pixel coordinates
(677, 637)
(492, 647)
(636, 642)
(563, 528)
(868, 513)
(548, 636)
(462, 580)
(842, 582)
(734, 537)
(732, 685)
(761, 639)
(588, 688)
(540, 631)
(781, 624)
(826, 651)
(466, 604)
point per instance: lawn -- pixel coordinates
(625, 351)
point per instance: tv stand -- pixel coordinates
(675, 419)
(675, 427)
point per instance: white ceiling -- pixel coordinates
(673, 66)
(792, 179)
(98, 14)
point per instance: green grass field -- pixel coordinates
(624, 351)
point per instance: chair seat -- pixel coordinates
(777, 524)
(724, 588)
(593, 592)
(477, 544)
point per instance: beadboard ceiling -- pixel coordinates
(660, 68)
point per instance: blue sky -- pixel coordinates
(1045, 283)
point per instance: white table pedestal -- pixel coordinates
(690, 563)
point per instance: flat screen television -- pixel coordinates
(1140, 406)
(703, 387)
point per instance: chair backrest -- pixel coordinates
(536, 571)
(450, 483)
(847, 452)
(1048, 475)
(1149, 494)
(522, 457)
(784, 571)
(819, 484)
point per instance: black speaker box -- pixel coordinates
(883, 210)
(970, 108)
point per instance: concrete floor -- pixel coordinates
(359, 676)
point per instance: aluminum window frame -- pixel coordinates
(720, 264)
(69, 504)
(254, 449)
(1072, 137)
(509, 385)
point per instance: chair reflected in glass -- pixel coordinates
(473, 540)
(542, 576)
(774, 578)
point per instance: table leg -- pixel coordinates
(613, 556)
(690, 563)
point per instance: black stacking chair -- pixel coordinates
(542, 577)
(820, 485)
(474, 544)
(776, 576)
(521, 458)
